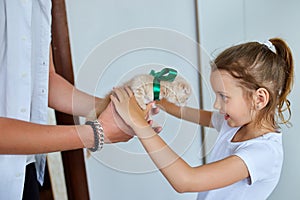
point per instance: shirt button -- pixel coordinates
(43, 91)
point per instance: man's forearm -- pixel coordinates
(66, 98)
(19, 137)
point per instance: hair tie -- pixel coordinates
(270, 46)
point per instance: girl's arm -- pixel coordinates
(201, 117)
(180, 175)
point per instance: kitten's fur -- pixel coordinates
(176, 92)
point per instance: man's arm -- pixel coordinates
(19, 137)
(65, 98)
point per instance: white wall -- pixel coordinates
(222, 23)
(111, 41)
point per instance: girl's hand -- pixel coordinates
(127, 107)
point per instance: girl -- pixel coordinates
(251, 82)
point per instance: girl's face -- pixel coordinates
(230, 99)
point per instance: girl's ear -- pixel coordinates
(261, 98)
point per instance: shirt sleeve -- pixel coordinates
(263, 159)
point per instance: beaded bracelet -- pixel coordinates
(98, 135)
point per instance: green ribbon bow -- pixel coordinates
(166, 74)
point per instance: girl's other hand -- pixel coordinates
(127, 107)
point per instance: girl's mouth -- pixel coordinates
(226, 116)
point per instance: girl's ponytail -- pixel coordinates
(284, 52)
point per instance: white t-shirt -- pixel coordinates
(262, 155)
(25, 36)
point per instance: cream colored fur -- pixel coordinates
(176, 92)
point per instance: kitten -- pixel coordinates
(176, 92)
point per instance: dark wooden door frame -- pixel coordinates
(73, 161)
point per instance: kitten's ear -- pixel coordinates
(185, 87)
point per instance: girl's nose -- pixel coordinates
(217, 105)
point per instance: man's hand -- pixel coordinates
(115, 129)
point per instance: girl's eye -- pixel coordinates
(223, 97)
